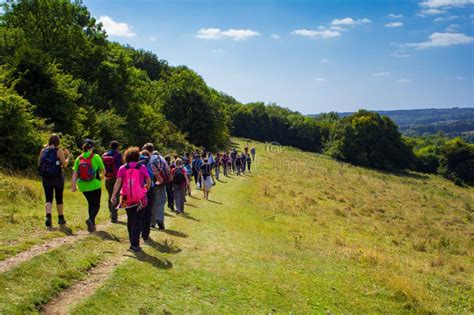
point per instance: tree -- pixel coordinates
(457, 160)
(368, 139)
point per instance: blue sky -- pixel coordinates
(311, 56)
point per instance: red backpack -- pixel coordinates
(109, 162)
(86, 172)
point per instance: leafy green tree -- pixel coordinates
(368, 139)
(458, 160)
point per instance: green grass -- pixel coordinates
(22, 214)
(302, 234)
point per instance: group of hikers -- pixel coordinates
(141, 181)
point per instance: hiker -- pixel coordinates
(196, 166)
(252, 151)
(224, 162)
(51, 162)
(86, 176)
(187, 165)
(169, 186)
(161, 178)
(233, 156)
(112, 161)
(243, 161)
(211, 160)
(134, 180)
(207, 179)
(179, 178)
(249, 162)
(238, 164)
(217, 164)
(144, 160)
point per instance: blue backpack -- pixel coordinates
(49, 163)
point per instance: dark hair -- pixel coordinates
(149, 147)
(54, 140)
(114, 145)
(146, 153)
(87, 145)
(167, 159)
(132, 154)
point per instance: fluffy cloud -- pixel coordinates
(431, 11)
(337, 28)
(317, 34)
(445, 3)
(321, 79)
(394, 24)
(275, 36)
(381, 74)
(116, 28)
(350, 21)
(452, 28)
(395, 16)
(443, 40)
(235, 34)
(446, 19)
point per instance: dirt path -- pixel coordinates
(36, 250)
(66, 300)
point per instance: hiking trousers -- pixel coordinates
(109, 185)
(159, 201)
(134, 224)
(169, 194)
(147, 214)
(93, 199)
(179, 192)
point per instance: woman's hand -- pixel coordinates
(73, 188)
(113, 199)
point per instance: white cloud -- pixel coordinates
(400, 55)
(337, 28)
(116, 28)
(445, 3)
(404, 81)
(452, 28)
(431, 12)
(394, 24)
(275, 36)
(381, 74)
(443, 40)
(350, 21)
(317, 34)
(395, 16)
(235, 34)
(446, 19)
(324, 60)
(321, 79)
(153, 39)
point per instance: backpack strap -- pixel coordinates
(137, 167)
(127, 166)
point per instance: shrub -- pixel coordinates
(457, 160)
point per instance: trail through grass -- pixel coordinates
(301, 234)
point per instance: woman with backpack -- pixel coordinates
(112, 161)
(51, 162)
(86, 176)
(207, 179)
(134, 179)
(179, 178)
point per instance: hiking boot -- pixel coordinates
(153, 225)
(48, 222)
(161, 225)
(61, 220)
(90, 226)
(135, 249)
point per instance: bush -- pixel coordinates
(427, 160)
(457, 160)
(20, 141)
(368, 139)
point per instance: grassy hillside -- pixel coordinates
(301, 234)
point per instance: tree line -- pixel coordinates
(59, 73)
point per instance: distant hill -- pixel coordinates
(417, 122)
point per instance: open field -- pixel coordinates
(300, 234)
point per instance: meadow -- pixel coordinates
(300, 234)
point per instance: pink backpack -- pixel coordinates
(133, 191)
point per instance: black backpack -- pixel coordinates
(49, 163)
(206, 170)
(178, 177)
